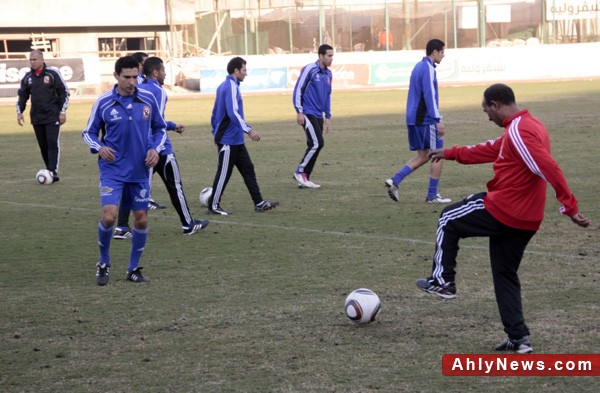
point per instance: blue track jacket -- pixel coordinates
(130, 129)
(227, 120)
(422, 105)
(312, 93)
(154, 87)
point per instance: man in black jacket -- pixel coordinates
(49, 101)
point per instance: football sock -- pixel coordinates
(138, 242)
(104, 236)
(398, 177)
(433, 188)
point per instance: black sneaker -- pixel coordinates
(195, 227)
(265, 205)
(54, 177)
(153, 205)
(523, 345)
(217, 210)
(136, 275)
(446, 291)
(122, 233)
(102, 274)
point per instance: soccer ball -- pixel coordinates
(44, 176)
(362, 306)
(205, 194)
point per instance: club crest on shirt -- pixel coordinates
(46, 80)
(146, 112)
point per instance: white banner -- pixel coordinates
(572, 9)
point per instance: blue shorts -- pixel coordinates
(135, 195)
(424, 138)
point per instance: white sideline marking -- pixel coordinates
(321, 231)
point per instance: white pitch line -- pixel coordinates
(321, 231)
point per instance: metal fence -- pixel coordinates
(299, 26)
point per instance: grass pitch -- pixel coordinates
(254, 303)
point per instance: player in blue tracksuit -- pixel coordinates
(121, 233)
(167, 167)
(424, 123)
(229, 128)
(312, 98)
(127, 131)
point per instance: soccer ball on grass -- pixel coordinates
(362, 306)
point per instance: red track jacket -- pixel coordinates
(523, 165)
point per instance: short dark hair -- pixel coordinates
(140, 57)
(125, 62)
(152, 64)
(235, 64)
(500, 93)
(324, 48)
(434, 44)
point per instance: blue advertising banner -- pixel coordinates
(211, 79)
(257, 79)
(266, 78)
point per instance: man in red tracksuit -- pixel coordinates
(510, 212)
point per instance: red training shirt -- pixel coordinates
(523, 165)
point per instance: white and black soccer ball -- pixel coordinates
(205, 194)
(44, 176)
(362, 306)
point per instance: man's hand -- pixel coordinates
(300, 118)
(436, 155)
(327, 125)
(107, 153)
(20, 119)
(151, 158)
(580, 220)
(62, 118)
(255, 136)
(179, 128)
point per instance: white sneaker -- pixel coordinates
(438, 199)
(302, 179)
(392, 190)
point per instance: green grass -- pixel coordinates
(254, 303)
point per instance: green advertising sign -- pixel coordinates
(390, 73)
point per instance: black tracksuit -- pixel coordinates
(49, 98)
